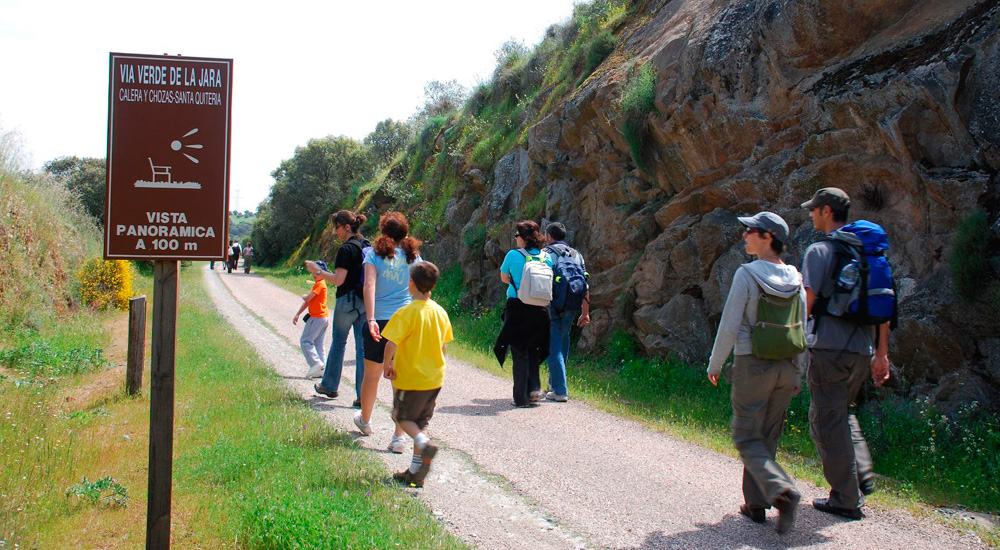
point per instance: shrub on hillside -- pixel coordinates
(971, 272)
(105, 283)
(599, 49)
(637, 101)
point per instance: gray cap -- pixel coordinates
(770, 222)
(828, 196)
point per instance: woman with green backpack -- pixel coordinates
(763, 324)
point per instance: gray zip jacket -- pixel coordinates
(740, 312)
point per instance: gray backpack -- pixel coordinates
(536, 280)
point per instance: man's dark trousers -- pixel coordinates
(835, 380)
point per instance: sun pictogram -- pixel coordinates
(177, 145)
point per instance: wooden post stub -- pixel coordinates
(136, 345)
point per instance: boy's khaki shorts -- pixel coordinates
(414, 405)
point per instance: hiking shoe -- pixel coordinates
(405, 478)
(323, 391)
(867, 486)
(364, 427)
(356, 404)
(755, 513)
(787, 504)
(535, 396)
(823, 505)
(426, 457)
(316, 371)
(553, 396)
(397, 445)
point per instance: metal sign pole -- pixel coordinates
(161, 410)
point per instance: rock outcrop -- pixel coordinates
(760, 103)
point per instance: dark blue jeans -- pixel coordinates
(348, 313)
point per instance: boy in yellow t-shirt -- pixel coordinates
(414, 361)
(318, 320)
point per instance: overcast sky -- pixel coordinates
(301, 69)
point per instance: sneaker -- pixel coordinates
(316, 371)
(787, 505)
(755, 513)
(553, 396)
(823, 505)
(397, 445)
(364, 427)
(323, 391)
(356, 404)
(426, 457)
(535, 396)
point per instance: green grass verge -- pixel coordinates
(254, 466)
(293, 480)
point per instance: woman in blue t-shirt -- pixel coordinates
(526, 327)
(386, 289)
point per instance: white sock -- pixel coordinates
(415, 464)
(421, 440)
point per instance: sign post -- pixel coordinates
(167, 200)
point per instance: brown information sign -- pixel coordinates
(168, 157)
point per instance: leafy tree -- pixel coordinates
(307, 188)
(441, 98)
(86, 178)
(266, 246)
(387, 140)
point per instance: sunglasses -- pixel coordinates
(751, 230)
(516, 235)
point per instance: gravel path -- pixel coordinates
(562, 475)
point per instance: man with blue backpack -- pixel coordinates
(570, 305)
(851, 302)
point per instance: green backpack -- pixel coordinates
(779, 333)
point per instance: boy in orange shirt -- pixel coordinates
(317, 321)
(414, 361)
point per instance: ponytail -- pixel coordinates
(394, 228)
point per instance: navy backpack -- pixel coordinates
(569, 282)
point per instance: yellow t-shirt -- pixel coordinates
(419, 331)
(317, 306)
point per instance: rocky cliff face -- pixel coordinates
(760, 103)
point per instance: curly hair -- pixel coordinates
(531, 233)
(350, 219)
(394, 228)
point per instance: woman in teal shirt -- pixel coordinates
(526, 327)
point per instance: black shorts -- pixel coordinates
(414, 405)
(375, 351)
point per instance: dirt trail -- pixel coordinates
(562, 475)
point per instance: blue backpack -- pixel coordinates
(569, 281)
(863, 293)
